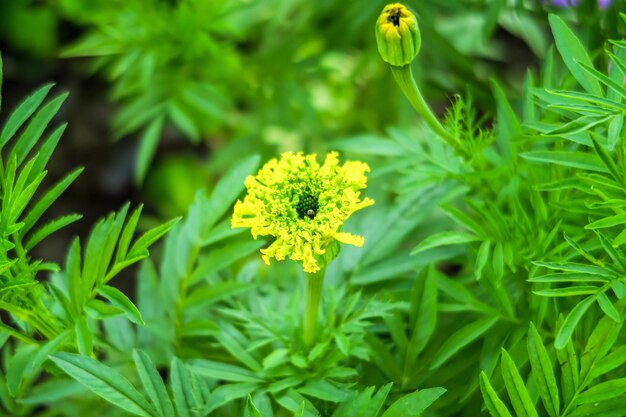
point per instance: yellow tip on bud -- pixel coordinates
(397, 35)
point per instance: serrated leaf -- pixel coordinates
(50, 228)
(119, 300)
(462, 338)
(572, 51)
(571, 321)
(494, 404)
(568, 291)
(47, 199)
(603, 391)
(577, 160)
(413, 405)
(482, 257)
(577, 267)
(323, 390)
(543, 372)
(147, 147)
(104, 382)
(84, 338)
(151, 236)
(444, 239)
(607, 307)
(223, 371)
(153, 384)
(424, 312)
(520, 399)
(127, 235)
(598, 345)
(25, 109)
(35, 128)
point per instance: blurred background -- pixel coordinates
(167, 94)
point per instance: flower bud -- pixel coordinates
(397, 35)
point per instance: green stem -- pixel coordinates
(312, 297)
(404, 78)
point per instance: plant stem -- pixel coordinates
(404, 77)
(312, 297)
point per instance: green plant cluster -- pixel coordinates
(491, 282)
(269, 75)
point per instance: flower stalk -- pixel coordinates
(312, 297)
(398, 39)
(404, 78)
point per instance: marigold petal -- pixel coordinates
(350, 239)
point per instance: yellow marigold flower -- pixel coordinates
(304, 206)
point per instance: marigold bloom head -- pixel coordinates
(303, 205)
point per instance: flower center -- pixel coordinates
(394, 16)
(307, 206)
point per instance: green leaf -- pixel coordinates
(226, 191)
(251, 410)
(577, 268)
(25, 109)
(444, 239)
(35, 129)
(607, 306)
(578, 160)
(73, 277)
(84, 339)
(147, 147)
(153, 384)
(507, 124)
(615, 407)
(568, 359)
(413, 405)
(119, 300)
(493, 403)
(569, 277)
(598, 345)
(235, 342)
(223, 371)
(543, 372)
(16, 368)
(573, 52)
(520, 399)
(462, 338)
(497, 263)
(423, 311)
(615, 132)
(47, 199)
(364, 404)
(142, 244)
(127, 235)
(220, 258)
(482, 258)
(49, 229)
(568, 291)
(615, 87)
(188, 398)
(181, 385)
(323, 390)
(571, 321)
(608, 161)
(612, 361)
(603, 391)
(104, 382)
(46, 150)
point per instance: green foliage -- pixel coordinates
(492, 280)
